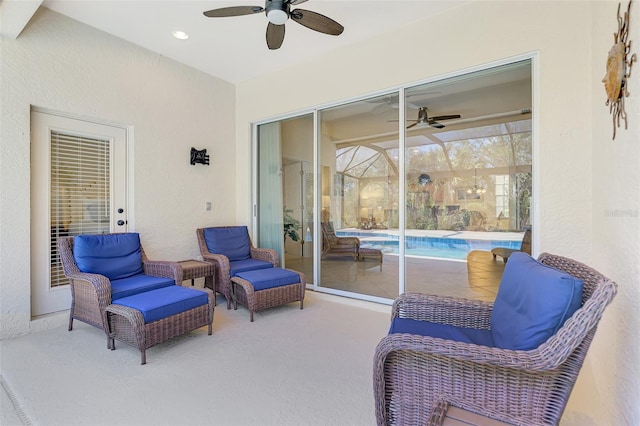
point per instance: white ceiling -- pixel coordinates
(234, 48)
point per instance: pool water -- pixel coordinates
(437, 247)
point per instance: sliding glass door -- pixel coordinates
(285, 191)
(358, 160)
(468, 178)
(405, 191)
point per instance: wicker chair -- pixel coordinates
(223, 268)
(332, 244)
(413, 374)
(504, 253)
(91, 293)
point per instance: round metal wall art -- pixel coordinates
(619, 64)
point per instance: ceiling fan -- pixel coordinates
(388, 101)
(278, 12)
(423, 118)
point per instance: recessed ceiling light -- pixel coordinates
(180, 35)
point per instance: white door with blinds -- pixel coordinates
(78, 186)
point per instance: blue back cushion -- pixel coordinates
(115, 256)
(232, 242)
(442, 331)
(533, 302)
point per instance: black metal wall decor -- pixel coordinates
(199, 157)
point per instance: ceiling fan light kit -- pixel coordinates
(278, 12)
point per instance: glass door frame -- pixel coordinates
(533, 57)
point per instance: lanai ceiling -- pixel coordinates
(235, 50)
(231, 48)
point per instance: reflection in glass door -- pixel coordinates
(377, 207)
(468, 179)
(285, 208)
(358, 152)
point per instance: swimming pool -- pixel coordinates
(455, 245)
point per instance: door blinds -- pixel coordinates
(79, 193)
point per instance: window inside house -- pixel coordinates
(502, 196)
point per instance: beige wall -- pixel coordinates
(62, 65)
(615, 215)
(576, 163)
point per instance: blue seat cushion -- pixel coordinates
(232, 241)
(533, 302)
(137, 284)
(164, 302)
(113, 255)
(269, 278)
(442, 331)
(247, 265)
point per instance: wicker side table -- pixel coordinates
(192, 269)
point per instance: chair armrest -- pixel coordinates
(222, 266)
(101, 285)
(538, 359)
(265, 254)
(160, 268)
(443, 309)
(349, 241)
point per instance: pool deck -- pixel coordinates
(382, 234)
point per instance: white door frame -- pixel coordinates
(44, 298)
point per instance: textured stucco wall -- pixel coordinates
(573, 185)
(615, 210)
(60, 64)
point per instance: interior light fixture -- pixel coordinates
(476, 189)
(277, 16)
(180, 35)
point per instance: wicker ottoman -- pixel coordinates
(371, 253)
(147, 319)
(266, 288)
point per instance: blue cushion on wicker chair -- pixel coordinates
(533, 302)
(442, 331)
(115, 256)
(247, 265)
(164, 302)
(269, 278)
(231, 241)
(137, 284)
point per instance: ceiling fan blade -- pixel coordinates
(412, 125)
(275, 36)
(224, 12)
(445, 117)
(436, 125)
(316, 22)
(294, 2)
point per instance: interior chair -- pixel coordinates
(231, 251)
(515, 360)
(121, 270)
(332, 244)
(504, 252)
(477, 221)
